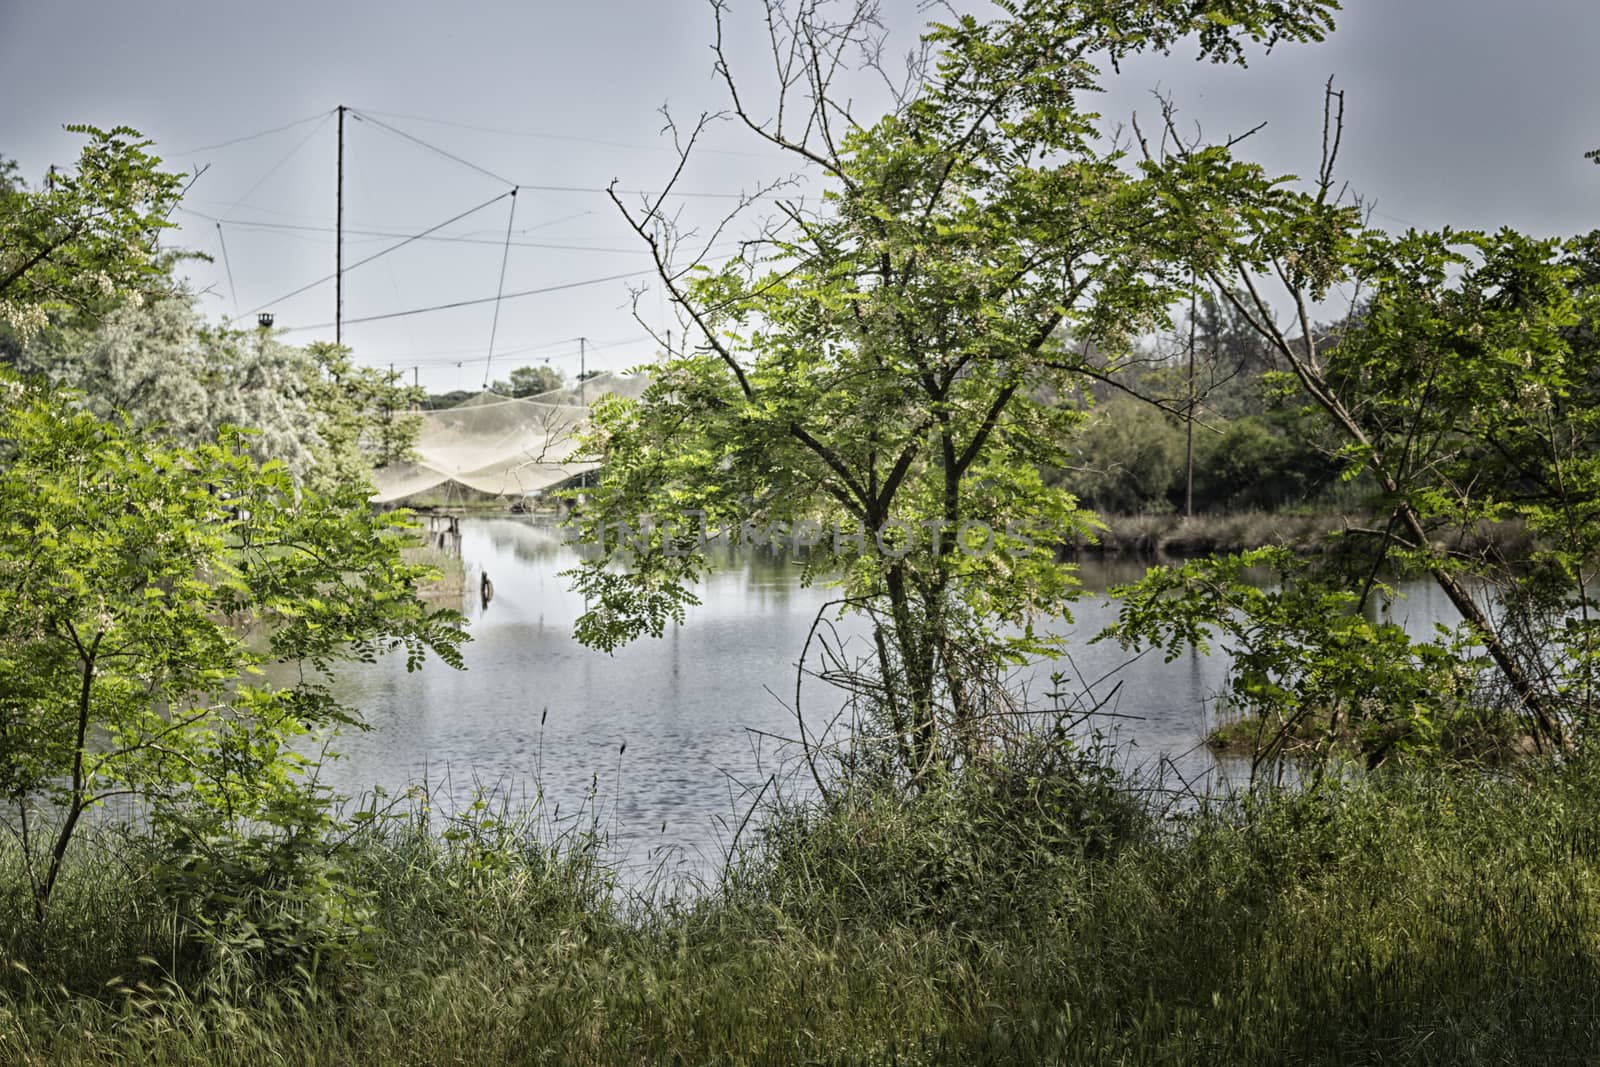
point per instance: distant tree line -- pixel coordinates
(522, 382)
(1227, 433)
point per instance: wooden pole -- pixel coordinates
(338, 244)
(1188, 422)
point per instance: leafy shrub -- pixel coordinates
(265, 898)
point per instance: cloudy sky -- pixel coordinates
(1473, 113)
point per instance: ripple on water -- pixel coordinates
(535, 709)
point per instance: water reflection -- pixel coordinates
(699, 709)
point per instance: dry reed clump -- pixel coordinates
(452, 571)
(1174, 535)
(1151, 536)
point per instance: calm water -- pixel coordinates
(534, 707)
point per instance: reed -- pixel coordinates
(1150, 536)
(452, 571)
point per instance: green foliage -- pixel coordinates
(1127, 460)
(435, 401)
(1252, 464)
(1305, 650)
(157, 363)
(131, 570)
(1003, 845)
(263, 891)
(884, 359)
(530, 381)
(1464, 390)
(1478, 359)
(364, 417)
(88, 236)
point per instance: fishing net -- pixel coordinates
(500, 446)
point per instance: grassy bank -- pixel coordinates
(1020, 916)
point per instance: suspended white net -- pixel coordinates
(501, 446)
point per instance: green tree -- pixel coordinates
(1127, 460)
(157, 362)
(1465, 389)
(89, 235)
(530, 381)
(364, 417)
(132, 576)
(1478, 375)
(1305, 656)
(1251, 463)
(875, 364)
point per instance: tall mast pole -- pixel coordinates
(1188, 421)
(338, 244)
(583, 377)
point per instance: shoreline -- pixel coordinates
(1171, 535)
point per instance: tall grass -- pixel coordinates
(452, 579)
(1030, 911)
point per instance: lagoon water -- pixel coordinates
(673, 736)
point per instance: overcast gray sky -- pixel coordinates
(1474, 113)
